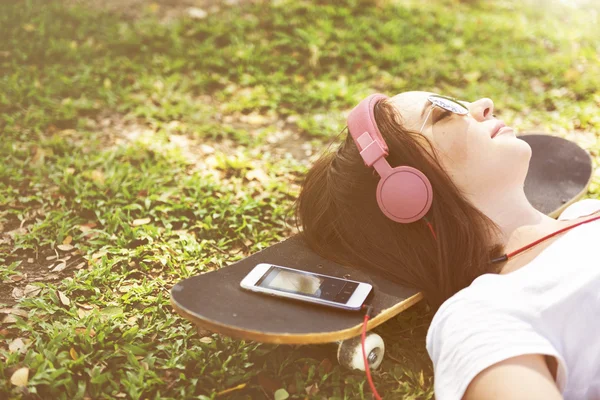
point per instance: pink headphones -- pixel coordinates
(404, 194)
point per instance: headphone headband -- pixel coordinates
(364, 130)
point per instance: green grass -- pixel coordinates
(103, 119)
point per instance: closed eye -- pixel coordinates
(440, 114)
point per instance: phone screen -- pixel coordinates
(307, 284)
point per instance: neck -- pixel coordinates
(517, 219)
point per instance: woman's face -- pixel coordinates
(480, 155)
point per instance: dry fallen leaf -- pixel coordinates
(227, 391)
(312, 389)
(17, 345)
(196, 13)
(97, 175)
(257, 174)
(14, 311)
(81, 313)
(31, 291)
(256, 119)
(65, 247)
(17, 293)
(9, 319)
(81, 331)
(63, 299)
(68, 240)
(211, 162)
(73, 354)
(59, 267)
(20, 377)
(125, 288)
(206, 149)
(98, 255)
(86, 227)
(142, 221)
(14, 233)
(206, 340)
(80, 265)
(19, 312)
(38, 157)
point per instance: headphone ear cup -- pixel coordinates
(405, 195)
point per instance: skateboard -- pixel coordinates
(559, 174)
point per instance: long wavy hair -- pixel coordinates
(339, 218)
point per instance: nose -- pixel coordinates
(482, 109)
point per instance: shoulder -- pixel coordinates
(469, 311)
(580, 209)
(473, 331)
(484, 297)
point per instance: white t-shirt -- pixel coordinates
(550, 306)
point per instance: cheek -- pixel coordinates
(469, 158)
(456, 150)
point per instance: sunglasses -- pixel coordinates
(446, 103)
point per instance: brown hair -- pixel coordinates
(341, 220)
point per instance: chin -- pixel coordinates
(523, 148)
(522, 158)
(511, 163)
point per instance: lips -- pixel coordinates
(499, 125)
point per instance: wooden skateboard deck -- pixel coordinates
(560, 172)
(216, 302)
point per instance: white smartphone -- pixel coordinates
(307, 286)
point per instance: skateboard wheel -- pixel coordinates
(350, 352)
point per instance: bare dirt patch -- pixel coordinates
(41, 265)
(48, 265)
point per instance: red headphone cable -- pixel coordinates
(505, 257)
(430, 227)
(363, 336)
